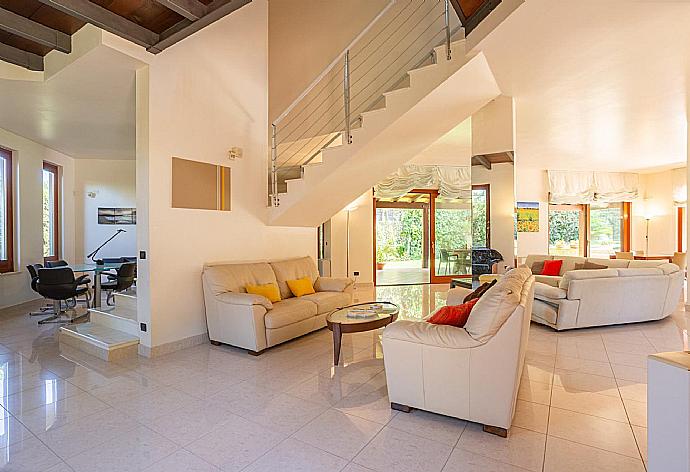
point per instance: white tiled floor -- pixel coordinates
(581, 405)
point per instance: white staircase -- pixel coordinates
(406, 113)
(112, 333)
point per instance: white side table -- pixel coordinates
(668, 412)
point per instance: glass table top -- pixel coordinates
(383, 310)
(93, 267)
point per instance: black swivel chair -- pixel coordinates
(58, 284)
(33, 273)
(126, 275)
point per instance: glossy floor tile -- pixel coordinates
(581, 404)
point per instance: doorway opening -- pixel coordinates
(422, 237)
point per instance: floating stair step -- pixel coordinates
(117, 317)
(100, 341)
(126, 300)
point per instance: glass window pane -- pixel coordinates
(605, 229)
(566, 230)
(453, 238)
(3, 209)
(400, 253)
(48, 213)
(479, 236)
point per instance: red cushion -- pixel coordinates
(453, 315)
(552, 267)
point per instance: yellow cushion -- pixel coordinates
(301, 286)
(270, 291)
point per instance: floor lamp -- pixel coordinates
(646, 237)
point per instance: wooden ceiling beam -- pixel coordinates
(215, 11)
(190, 9)
(483, 161)
(20, 57)
(511, 156)
(34, 31)
(105, 19)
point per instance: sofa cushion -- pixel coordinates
(589, 266)
(532, 258)
(420, 332)
(586, 274)
(537, 268)
(610, 263)
(293, 269)
(301, 287)
(287, 312)
(333, 284)
(640, 271)
(454, 315)
(221, 278)
(552, 267)
(640, 264)
(668, 268)
(497, 304)
(552, 280)
(569, 263)
(481, 290)
(545, 311)
(269, 291)
(548, 291)
(328, 301)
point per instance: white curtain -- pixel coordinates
(568, 187)
(579, 187)
(451, 182)
(680, 186)
(615, 187)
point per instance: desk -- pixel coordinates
(97, 271)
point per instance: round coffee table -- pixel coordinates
(338, 322)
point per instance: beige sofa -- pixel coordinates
(628, 291)
(252, 322)
(472, 373)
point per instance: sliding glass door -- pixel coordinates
(452, 239)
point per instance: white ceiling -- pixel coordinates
(87, 110)
(599, 84)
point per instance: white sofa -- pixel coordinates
(252, 322)
(627, 291)
(471, 373)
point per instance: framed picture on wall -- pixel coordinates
(527, 217)
(117, 216)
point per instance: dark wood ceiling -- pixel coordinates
(472, 12)
(29, 29)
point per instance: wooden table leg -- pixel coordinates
(337, 339)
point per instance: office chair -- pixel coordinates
(126, 274)
(58, 284)
(33, 273)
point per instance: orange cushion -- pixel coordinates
(453, 315)
(552, 267)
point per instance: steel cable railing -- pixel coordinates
(400, 38)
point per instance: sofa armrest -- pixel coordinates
(247, 299)
(421, 332)
(456, 295)
(333, 284)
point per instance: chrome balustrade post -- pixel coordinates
(346, 96)
(447, 26)
(274, 168)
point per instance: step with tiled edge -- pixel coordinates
(101, 341)
(118, 318)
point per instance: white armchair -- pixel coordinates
(472, 373)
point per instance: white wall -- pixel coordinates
(361, 240)
(114, 185)
(656, 197)
(502, 199)
(205, 95)
(492, 127)
(28, 158)
(531, 185)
